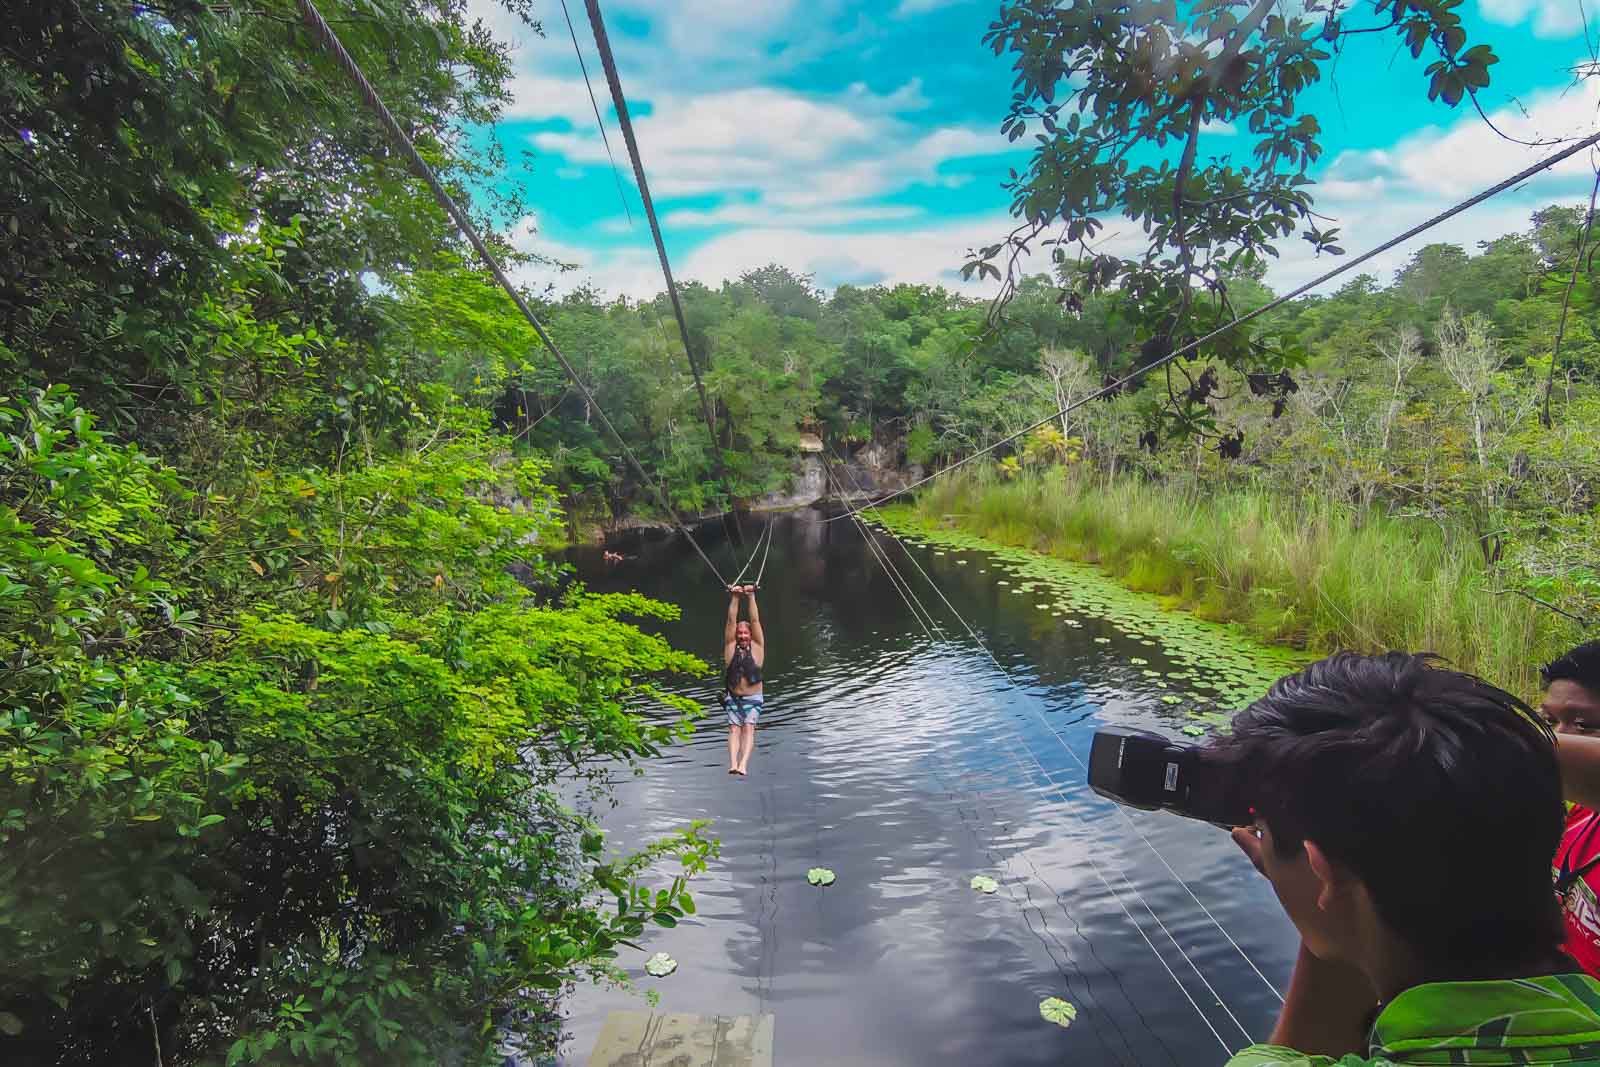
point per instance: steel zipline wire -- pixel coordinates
(1012, 682)
(620, 102)
(766, 534)
(910, 598)
(1132, 825)
(622, 194)
(330, 41)
(1121, 383)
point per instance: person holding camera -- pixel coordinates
(744, 650)
(1406, 816)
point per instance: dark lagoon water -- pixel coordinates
(907, 761)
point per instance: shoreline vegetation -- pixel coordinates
(1299, 571)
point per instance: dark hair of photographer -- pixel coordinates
(1436, 789)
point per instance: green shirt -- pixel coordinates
(1555, 1019)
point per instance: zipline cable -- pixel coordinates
(935, 633)
(1075, 759)
(1116, 386)
(1062, 741)
(1111, 891)
(762, 570)
(754, 551)
(330, 41)
(622, 193)
(620, 102)
(1045, 939)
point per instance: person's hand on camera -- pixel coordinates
(1249, 840)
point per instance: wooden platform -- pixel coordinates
(654, 1039)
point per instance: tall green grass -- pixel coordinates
(1290, 569)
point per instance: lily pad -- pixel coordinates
(1195, 731)
(1171, 699)
(819, 876)
(660, 965)
(984, 884)
(1055, 1010)
(1102, 640)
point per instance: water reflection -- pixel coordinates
(908, 763)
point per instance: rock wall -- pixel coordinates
(867, 472)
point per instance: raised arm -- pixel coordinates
(758, 639)
(1579, 758)
(731, 624)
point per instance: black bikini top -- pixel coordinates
(742, 665)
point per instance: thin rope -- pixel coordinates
(620, 102)
(622, 193)
(752, 557)
(1062, 741)
(765, 555)
(1010, 882)
(931, 626)
(918, 610)
(1078, 929)
(1113, 893)
(330, 40)
(1074, 756)
(1061, 793)
(1119, 384)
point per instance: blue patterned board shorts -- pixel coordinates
(742, 711)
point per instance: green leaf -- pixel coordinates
(1055, 1010)
(660, 965)
(10, 1025)
(984, 884)
(819, 876)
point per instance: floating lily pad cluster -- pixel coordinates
(819, 876)
(1194, 673)
(660, 965)
(984, 884)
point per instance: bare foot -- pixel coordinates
(741, 772)
(733, 770)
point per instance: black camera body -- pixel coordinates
(1145, 770)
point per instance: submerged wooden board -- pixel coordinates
(655, 1039)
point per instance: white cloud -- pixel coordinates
(1551, 18)
(907, 8)
(700, 144)
(909, 97)
(930, 254)
(793, 151)
(546, 96)
(752, 214)
(1469, 155)
(628, 269)
(1377, 194)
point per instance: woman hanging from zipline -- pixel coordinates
(744, 650)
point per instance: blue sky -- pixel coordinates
(859, 141)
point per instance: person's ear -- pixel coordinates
(1330, 876)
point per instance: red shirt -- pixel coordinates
(1580, 849)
